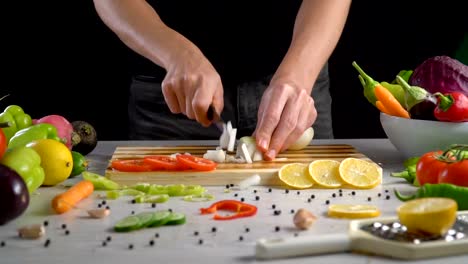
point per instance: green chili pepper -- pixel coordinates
(405, 74)
(409, 174)
(34, 132)
(100, 182)
(414, 94)
(17, 119)
(458, 193)
(369, 84)
(160, 198)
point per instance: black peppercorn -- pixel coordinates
(273, 206)
(312, 196)
(67, 232)
(231, 185)
(341, 194)
(242, 199)
(133, 212)
(298, 192)
(151, 242)
(213, 229)
(379, 194)
(107, 207)
(99, 205)
(235, 195)
(277, 212)
(104, 243)
(133, 201)
(387, 197)
(200, 241)
(46, 223)
(369, 199)
(269, 189)
(327, 201)
(255, 191)
(103, 202)
(386, 191)
(353, 193)
(170, 210)
(257, 197)
(296, 234)
(333, 195)
(64, 226)
(241, 238)
(109, 238)
(2, 244)
(130, 246)
(156, 235)
(195, 233)
(309, 200)
(153, 205)
(286, 191)
(47, 243)
(227, 186)
(247, 229)
(292, 211)
(277, 228)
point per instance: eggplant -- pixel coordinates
(423, 110)
(13, 194)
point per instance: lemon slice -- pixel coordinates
(295, 175)
(435, 215)
(360, 173)
(325, 173)
(353, 211)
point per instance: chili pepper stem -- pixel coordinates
(5, 124)
(364, 76)
(403, 174)
(403, 197)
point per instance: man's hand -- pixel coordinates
(191, 85)
(285, 112)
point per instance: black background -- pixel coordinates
(59, 58)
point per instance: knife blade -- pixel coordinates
(216, 118)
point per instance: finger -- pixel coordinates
(269, 120)
(286, 125)
(170, 97)
(218, 99)
(200, 105)
(310, 114)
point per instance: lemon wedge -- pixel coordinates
(360, 173)
(353, 211)
(434, 215)
(326, 173)
(295, 175)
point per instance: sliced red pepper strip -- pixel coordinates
(241, 209)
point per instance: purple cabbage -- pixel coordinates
(441, 74)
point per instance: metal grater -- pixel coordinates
(397, 232)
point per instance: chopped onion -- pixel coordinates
(252, 180)
(224, 139)
(257, 156)
(218, 156)
(246, 153)
(232, 139)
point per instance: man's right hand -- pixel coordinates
(191, 85)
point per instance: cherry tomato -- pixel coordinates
(196, 163)
(455, 173)
(131, 165)
(160, 162)
(429, 167)
(3, 143)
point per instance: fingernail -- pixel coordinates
(271, 153)
(263, 144)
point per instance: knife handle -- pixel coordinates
(301, 246)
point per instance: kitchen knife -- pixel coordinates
(212, 115)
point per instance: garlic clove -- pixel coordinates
(99, 213)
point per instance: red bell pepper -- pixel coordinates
(241, 209)
(451, 107)
(3, 139)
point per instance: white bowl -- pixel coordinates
(414, 137)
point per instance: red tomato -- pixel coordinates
(455, 173)
(160, 162)
(131, 165)
(429, 167)
(196, 163)
(3, 143)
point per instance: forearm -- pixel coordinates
(139, 26)
(318, 27)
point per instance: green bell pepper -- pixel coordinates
(27, 163)
(17, 119)
(34, 132)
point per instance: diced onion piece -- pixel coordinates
(252, 180)
(218, 156)
(246, 153)
(257, 156)
(232, 139)
(224, 139)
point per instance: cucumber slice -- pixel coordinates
(146, 218)
(128, 223)
(176, 219)
(160, 218)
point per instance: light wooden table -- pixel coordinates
(178, 244)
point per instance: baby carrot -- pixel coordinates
(67, 200)
(389, 102)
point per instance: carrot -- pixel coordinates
(381, 107)
(389, 102)
(67, 200)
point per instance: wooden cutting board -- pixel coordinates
(225, 173)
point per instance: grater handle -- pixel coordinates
(301, 246)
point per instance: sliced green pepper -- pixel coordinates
(34, 132)
(100, 182)
(27, 163)
(161, 198)
(447, 190)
